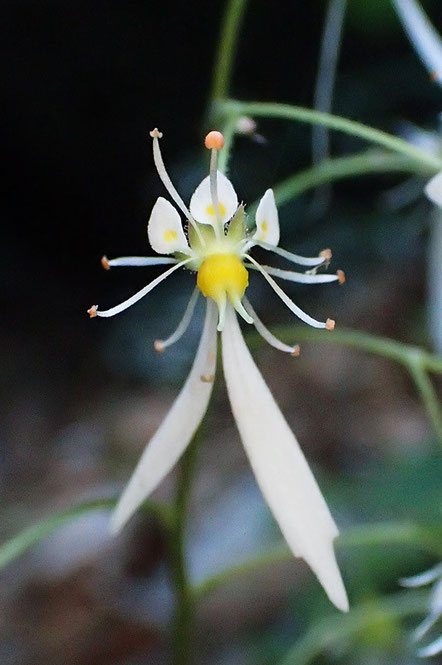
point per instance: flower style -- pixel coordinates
(434, 577)
(217, 247)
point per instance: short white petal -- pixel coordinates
(433, 189)
(177, 429)
(267, 224)
(201, 206)
(280, 467)
(165, 229)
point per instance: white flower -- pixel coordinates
(217, 247)
(432, 576)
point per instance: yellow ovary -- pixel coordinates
(222, 275)
(211, 210)
(170, 235)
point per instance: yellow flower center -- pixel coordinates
(223, 274)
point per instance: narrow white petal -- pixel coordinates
(300, 277)
(165, 229)
(433, 189)
(280, 467)
(140, 294)
(201, 205)
(135, 261)
(286, 300)
(422, 35)
(267, 223)
(311, 261)
(176, 430)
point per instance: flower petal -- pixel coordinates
(176, 430)
(165, 230)
(201, 205)
(267, 224)
(433, 189)
(280, 467)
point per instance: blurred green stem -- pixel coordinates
(383, 534)
(227, 107)
(227, 48)
(363, 620)
(338, 168)
(417, 361)
(182, 627)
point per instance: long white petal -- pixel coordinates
(280, 467)
(433, 189)
(176, 430)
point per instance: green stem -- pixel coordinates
(287, 112)
(228, 131)
(32, 535)
(338, 168)
(423, 538)
(428, 395)
(388, 348)
(227, 48)
(342, 629)
(182, 627)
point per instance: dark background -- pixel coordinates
(82, 85)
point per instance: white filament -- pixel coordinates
(265, 332)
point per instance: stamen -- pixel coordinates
(239, 307)
(267, 335)
(164, 177)
(222, 306)
(329, 324)
(94, 311)
(296, 258)
(136, 261)
(215, 141)
(302, 277)
(160, 344)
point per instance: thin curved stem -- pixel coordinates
(384, 533)
(227, 107)
(428, 396)
(339, 168)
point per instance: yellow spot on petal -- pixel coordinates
(222, 274)
(211, 210)
(264, 227)
(170, 235)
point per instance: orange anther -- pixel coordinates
(341, 276)
(326, 254)
(105, 262)
(296, 351)
(156, 134)
(92, 311)
(214, 140)
(330, 324)
(158, 346)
